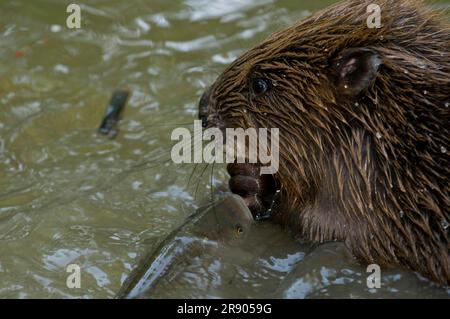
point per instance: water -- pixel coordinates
(70, 196)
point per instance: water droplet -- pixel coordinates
(445, 224)
(356, 104)
(443, 150)
(425, 92)
(55, 28)
(447, 104)
(401, 214)
(345, 86)
(61, 68)
(378, 135)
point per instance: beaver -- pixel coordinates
(364, 133)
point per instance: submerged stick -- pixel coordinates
(113, 112)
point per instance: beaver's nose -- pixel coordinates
(203, 108)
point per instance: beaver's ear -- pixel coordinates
(354, 70)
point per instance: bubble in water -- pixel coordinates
(378, 135)
(443, 150)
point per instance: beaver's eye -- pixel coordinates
(260, 86)
(239, 230)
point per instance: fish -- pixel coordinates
(201, 239)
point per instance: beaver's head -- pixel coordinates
(340, 94)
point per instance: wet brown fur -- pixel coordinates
(369, 170)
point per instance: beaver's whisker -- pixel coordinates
(168, 125)
(211, 182)
(199, 181)
(161, 158)
(191, 175)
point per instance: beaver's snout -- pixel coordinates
(258, 191)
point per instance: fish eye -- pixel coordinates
(259, 86)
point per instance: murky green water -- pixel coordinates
(70, 196)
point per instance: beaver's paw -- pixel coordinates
(258, 191)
